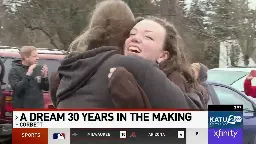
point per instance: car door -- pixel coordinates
(230, 96)
(8, 65)
(227, 95)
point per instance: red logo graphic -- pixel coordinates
(133, 134)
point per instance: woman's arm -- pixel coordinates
(125, 91)
(54, 84)
(161, 92)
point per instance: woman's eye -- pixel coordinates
(132, 33)
(148, 37)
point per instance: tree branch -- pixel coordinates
(32, 28)
(45, 32)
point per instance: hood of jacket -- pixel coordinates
(203, 73)
(17, 63)
(76, 71)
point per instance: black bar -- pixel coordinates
(133, 136)
(225, 107)
(79, 133)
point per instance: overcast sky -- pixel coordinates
(252, 3)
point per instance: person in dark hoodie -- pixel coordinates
(84, 78)
(55, 81)
(28, 79)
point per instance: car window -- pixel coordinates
(225, 77)
(239, 85)
(227, 96)
(51, 63)
(7, 65)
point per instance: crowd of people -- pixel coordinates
(119, 61)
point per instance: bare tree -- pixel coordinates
(59, 20)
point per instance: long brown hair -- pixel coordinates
(176, 60)
(109, 25)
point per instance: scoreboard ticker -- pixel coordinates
(161, 136)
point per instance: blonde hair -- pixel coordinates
(110, 25)
(196, 66)
(25, 51)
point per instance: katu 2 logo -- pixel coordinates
(231, 119)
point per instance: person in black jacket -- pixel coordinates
(55, 81)
(84, 81)
(28, 79)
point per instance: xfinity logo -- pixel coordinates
(225, 133)
(231, 119)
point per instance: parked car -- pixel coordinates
(230, 76)
(234, 77)
(222, 94)
(50, 58)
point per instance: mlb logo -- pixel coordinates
(122, 134)
(58, 136)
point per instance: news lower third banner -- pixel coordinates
(225, 124)
(110, 119)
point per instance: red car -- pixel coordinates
(50, 58)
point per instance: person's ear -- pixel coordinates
(164, 56)
(25, 57)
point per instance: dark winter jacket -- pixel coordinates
(54, 84)
(126, 92)
(84, 81)
(27, 90)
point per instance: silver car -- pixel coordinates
(234, 77)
